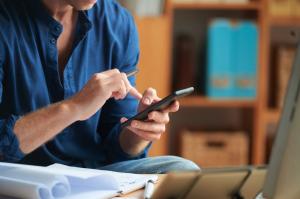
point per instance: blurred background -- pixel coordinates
(237, 54)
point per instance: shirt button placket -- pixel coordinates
(57, 28)
(53, 41)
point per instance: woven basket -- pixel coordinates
(215, 149)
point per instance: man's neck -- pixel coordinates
(60, 10)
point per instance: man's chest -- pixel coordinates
(65, 41)
(33, 67)
(42, 62)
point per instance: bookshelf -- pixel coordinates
(198, 101)
(157, 66)
(218, 6)
(272, 116)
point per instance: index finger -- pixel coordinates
(135, 93)
(130, 89)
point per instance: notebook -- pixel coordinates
(65, 182)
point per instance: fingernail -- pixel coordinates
(134, 124)
(147, 101)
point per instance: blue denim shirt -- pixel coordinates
(105, 38)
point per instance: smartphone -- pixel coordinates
(162, 104)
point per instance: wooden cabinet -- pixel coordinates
(155, 71)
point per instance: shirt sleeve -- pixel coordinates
(9, 144)
(114, 110)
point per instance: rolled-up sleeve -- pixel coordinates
(9, 144)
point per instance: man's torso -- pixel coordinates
(31, 78)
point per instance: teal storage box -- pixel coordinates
(220, 82)
(245, 61)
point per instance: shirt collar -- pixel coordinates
(40, 12)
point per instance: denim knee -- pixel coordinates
(174, 163)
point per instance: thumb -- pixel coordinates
(123, 119)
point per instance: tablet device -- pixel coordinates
(254, 183)
(221, 183)
(175, 185)
(165, 102)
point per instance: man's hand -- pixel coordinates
(152, 129)
(36, 128)
(99, 89)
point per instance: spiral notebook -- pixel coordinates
(65, 182)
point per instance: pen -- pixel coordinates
(131, 73)
(149, 189)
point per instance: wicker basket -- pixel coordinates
(215, 149)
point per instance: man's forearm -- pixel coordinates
(40, 126)
(131, 143)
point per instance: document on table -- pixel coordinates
(60, 181)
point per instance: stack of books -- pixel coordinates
(232, 59)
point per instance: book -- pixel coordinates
(245, 60)
(185, 61)
(65, 182)
(219, 61)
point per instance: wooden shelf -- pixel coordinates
(272, 115)
(218, 6)
(198, 101)
(285, 21)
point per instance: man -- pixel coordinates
(64, 91)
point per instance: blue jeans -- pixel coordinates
(153, 165)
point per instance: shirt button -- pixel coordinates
(86, 25)
(57, 28)
(53, 41)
